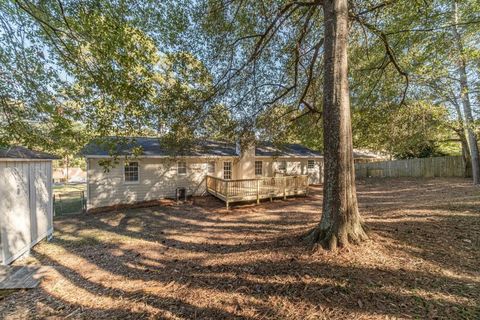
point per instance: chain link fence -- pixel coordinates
(69, 202)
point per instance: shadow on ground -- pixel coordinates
(203, 262)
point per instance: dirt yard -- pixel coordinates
(203, 262)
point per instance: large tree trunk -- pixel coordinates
(341, 223)
(463, 140)
(467, 108)
(467, 161)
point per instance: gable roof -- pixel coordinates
(265, 149)
(17, 152)
(152, 147)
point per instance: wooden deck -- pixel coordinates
(256, 189)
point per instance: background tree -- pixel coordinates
(465, 96)
(118, 80)
(31, 103)
(415, 129)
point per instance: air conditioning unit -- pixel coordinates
(181, 194)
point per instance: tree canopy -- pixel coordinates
(216, 68)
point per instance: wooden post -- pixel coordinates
(258, 191)
(216, 188)
(271, 189)
(83, 202)
(285, 188)
(306, 186)
(226, 193)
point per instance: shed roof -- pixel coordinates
(17, 152)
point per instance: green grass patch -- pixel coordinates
(68, 198)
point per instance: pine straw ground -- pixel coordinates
(203, 262)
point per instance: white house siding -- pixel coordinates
(158, 179)
(295, 166)
(315, 176)
(245, 165)
(26, 208)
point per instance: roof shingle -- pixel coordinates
(125, 146)
(17, 152)
(285, 150)
(153, 147)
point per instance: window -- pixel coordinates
(211, 167)
(310, 164)
(131, 172)
(227, 170)
(258, 168)
(282, 165)
(181, 168)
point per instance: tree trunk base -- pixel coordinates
(333, 238)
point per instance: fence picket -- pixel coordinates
(452, 166)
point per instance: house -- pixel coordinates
(365, 156)
(156, 173)
(26, 206)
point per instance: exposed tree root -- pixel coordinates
(333, 238)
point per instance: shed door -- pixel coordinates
(14, 209)
(40, 200)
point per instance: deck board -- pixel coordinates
(265, 193)
(256, 188)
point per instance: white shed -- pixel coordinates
(26, 206)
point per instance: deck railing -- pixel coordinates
(256, 189)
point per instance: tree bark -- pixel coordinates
(464, 93)
(463, 140)
(341, 222)
(467, 161)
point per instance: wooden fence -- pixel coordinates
(453, 166)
